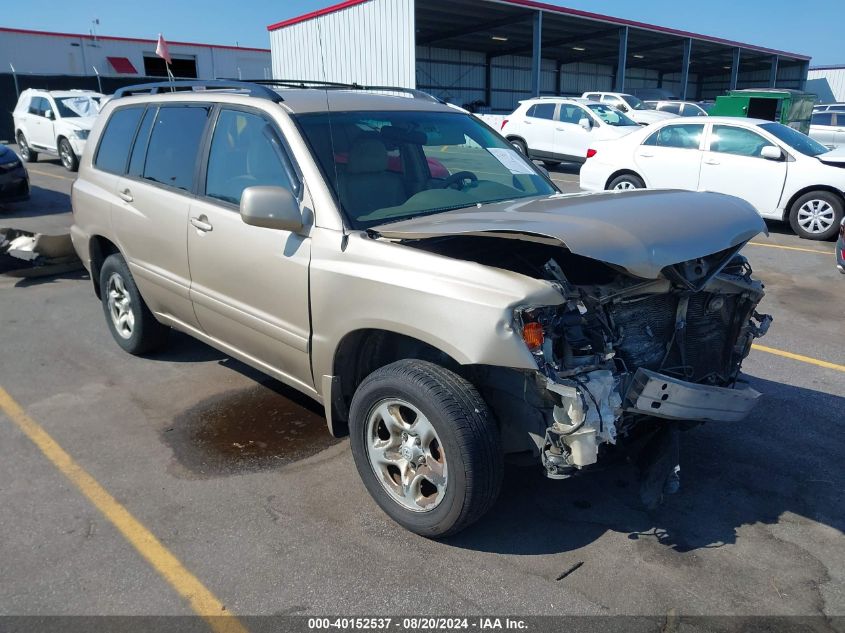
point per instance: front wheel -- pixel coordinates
(816, 215)
(69, 159)
(626, 182)
(426, 447)
(520, 146)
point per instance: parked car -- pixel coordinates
(826, 107)
(783, 173)
(441, 322)
(828, 128)
(558, 129)
(14, 179)
(840, 248)
(681, 108)
(630, 105)
(56, 123)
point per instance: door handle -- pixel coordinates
(644, 155)
(125, 195)
(560, 129)
(528, 122)
(711, 161)
(202, 223)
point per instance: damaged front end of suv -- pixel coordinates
(657, 312)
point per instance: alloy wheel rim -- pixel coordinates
(120, 307)
(65, 152)
(406, 455)
(23, 147)
(625, 185)
(816, 216)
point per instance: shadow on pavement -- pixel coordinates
(41, 202)
(783, 459)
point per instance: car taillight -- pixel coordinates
(591, 153)
(504, 123)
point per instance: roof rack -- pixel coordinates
(180, 85)
(333, 85)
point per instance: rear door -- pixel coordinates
(670, 158)
(732, 164)
(539, 126)
(249, 285)
(151, 218)
(40, 127)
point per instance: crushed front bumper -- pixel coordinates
(654, 394)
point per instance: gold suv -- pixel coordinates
(397, 260)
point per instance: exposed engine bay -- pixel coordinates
(622, 349)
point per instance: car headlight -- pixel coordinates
(10, 166)
(81, 134)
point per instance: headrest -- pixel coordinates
(367, 156)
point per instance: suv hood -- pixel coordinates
(640, 231)
(80, 122)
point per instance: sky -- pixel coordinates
(787, 25)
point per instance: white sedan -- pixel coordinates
(786, 175)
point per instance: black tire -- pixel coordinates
(820, 198)
(520, 146)
(634, 182)
(471, 445)
(25, 150)
(67, 155)
(551, 164)
(146, 333)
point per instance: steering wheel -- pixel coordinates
(458, 178)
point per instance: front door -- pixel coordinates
(571, 140)
(249, 285)
(733, 165)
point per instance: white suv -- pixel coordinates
(55, 122)
(631, 106)
(557, 129)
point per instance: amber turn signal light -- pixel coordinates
(532, 334)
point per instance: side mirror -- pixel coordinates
(585, 123)
(271, 208)
(49, 114)
(771, 152)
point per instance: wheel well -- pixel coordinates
(99, 249)
(621, 172)
(788, 208)
(362, 352)
(514, 137)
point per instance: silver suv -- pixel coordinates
(398, 261)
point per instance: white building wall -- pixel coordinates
(827, 83)
(371, 43)
(78, 55)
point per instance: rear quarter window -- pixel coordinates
(113, 151)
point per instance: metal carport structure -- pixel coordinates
(500, 51)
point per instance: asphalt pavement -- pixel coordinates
(234, 476)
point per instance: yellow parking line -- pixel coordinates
(799, 357)
(202, 601)
(791, 248)
(47, 173)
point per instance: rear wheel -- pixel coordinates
(816, 215)
(132, 324)
(66, 153)
(520, 146)
(25, 150)
(626, 182)
(426, 447)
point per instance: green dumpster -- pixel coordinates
(790, 107)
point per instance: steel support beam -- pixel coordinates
(685, 68)
(537, 54)
(558, 77)
(735, 68)
(805, 69)
(622, 60)
(773, 73)
(488, 81)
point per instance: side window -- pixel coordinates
(727, 139)
(674, 108)
(542, 111)
(677, 136)
(245, 152)
(116, 140)
(142, 140)
(822, 118)
(35, 106)
(530, 111)
(593, 96)
(174, 143)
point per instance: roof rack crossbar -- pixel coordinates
(253, 89)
